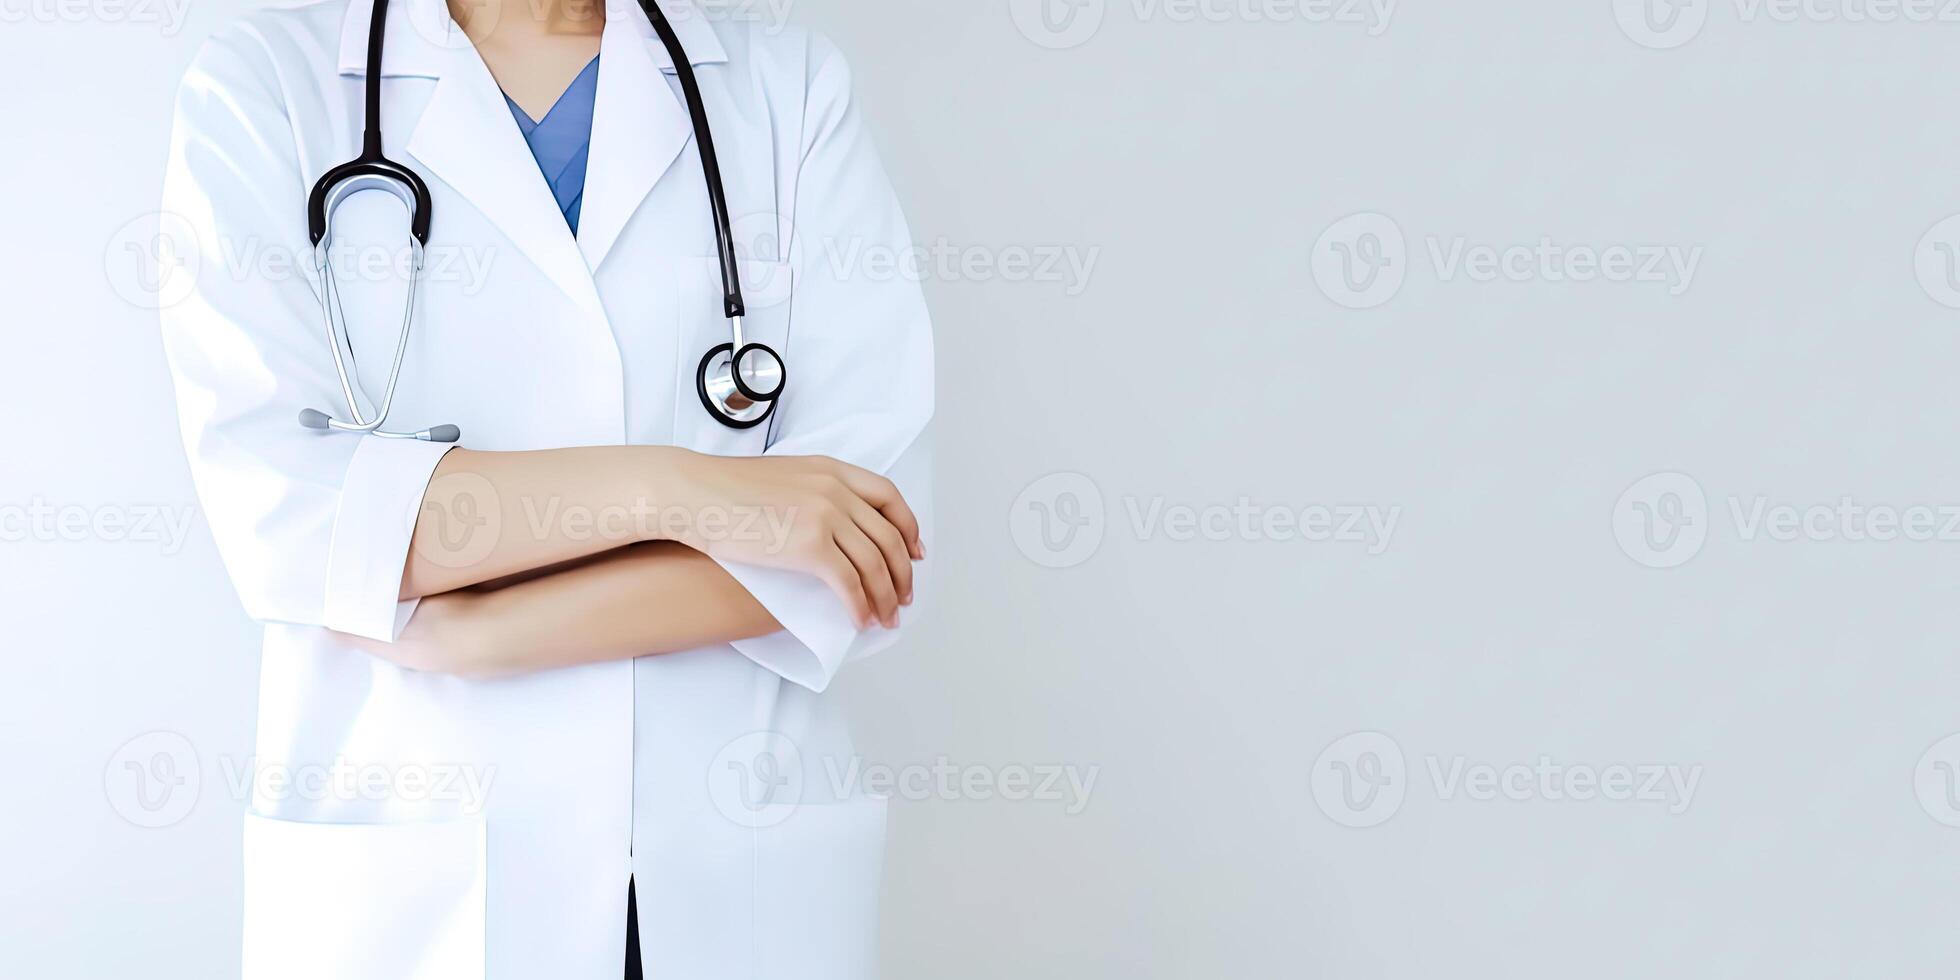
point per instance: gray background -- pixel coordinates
(1805, 681)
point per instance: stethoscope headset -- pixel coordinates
(739, 382)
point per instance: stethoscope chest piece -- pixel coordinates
(740, 391)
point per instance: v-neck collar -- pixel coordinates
(561, 142)
(583, 86)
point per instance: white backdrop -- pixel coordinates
(1445, 489)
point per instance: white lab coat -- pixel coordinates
(358, 863)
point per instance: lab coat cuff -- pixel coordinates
(379, 500)
(817, 637)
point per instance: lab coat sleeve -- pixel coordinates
(860, 371)
(313, 528)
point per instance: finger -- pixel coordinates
(883, 494)
(898, 558)
(872, 571)
(843, 579)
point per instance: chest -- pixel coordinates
(526, 335)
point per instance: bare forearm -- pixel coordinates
(642, 600)
(488, 515)
(503, 518)
(651, 598)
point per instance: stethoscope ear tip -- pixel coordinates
(319, 421)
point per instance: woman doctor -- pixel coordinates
(574, 664)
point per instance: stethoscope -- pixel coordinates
(739, 382)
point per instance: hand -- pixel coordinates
(844, 525)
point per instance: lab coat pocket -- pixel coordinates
(766, 290)
(374, 901)
(816, 895)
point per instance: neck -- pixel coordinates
(508, 22)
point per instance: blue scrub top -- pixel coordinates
(562, 140)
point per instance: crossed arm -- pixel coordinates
(643, 599)
(620, 582)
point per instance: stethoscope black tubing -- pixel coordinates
(731, 279)
(371, 162)
(371, 120)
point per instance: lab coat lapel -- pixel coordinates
(417, 35)
(467, 138)
(640, 123)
